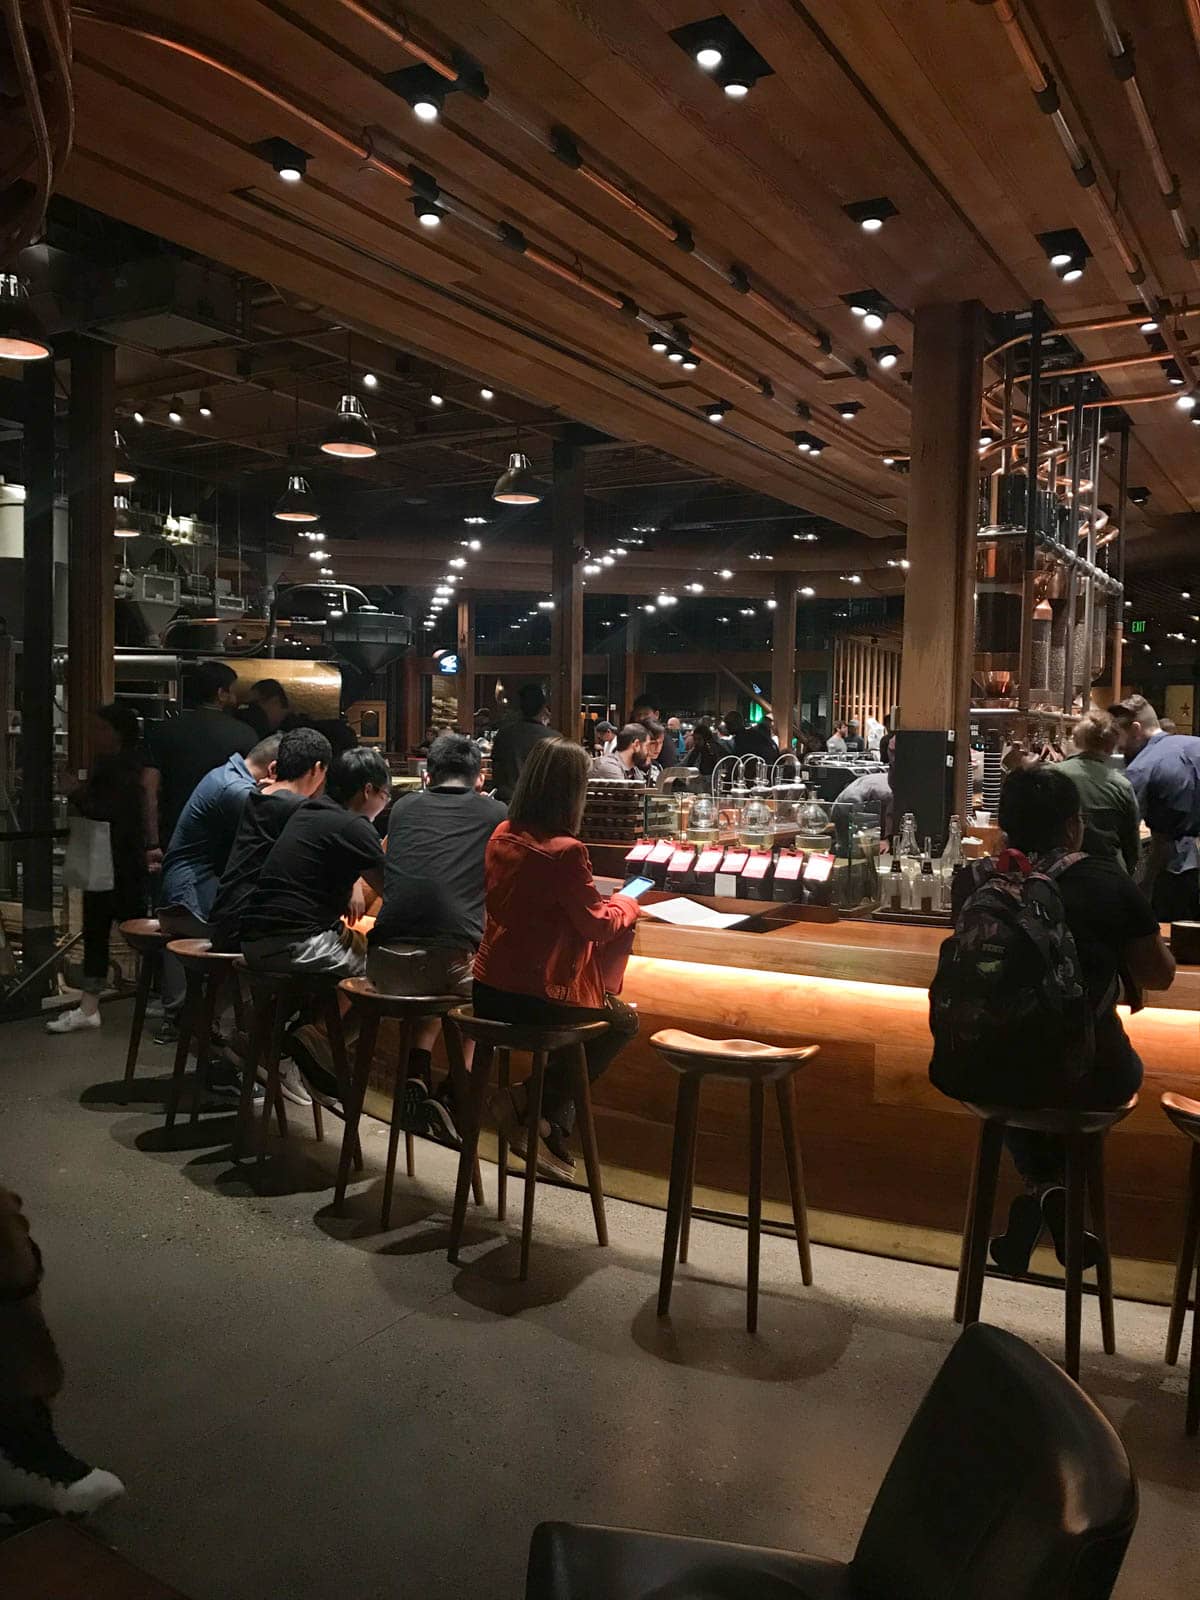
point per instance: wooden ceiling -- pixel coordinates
(927, 105)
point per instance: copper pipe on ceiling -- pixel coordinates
(1099, 325)
(402, 37)
(1103, 364)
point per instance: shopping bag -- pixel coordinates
(88, 863)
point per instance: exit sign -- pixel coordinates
(1138, 627)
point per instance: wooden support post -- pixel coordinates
(783, 661)
(465, 684)
(412, 730)
(566, 630)
(37, 666)
(633, 669)
(939, 601)
(90, 606)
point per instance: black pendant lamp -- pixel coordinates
(22, 337)
(297, 503)
(350, 434)
(516, 485)
(123, 468)
(123, 528)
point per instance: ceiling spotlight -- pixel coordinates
(816, 446)
(516, 485)
(545, 605)
(205, 406)
(592, 568)
(717, 411)
(297, 502)
(675, 354)
(429, 623)
(123, 471)
(370, 381)
(1149, 326)
(174, 412)
(475, 522)
(487, 394)
(316, 534)
(807, 592)
(690, 362)
(1172, 373)
(851, 577)
(649, 610)
(659, 343)
(474, 544)
(457, 561)
(848, 409)
(723, 573)
(695, 588)
(316, 555)
(428, 214)
(808, 443)
(138, 418)
(289, 160)
(886, 355)
(436, 400)
(806, 538)
(22, 337)
(666, 600)
(746, 611)
(870, 214)
(350, 434)
(1067, 252)
(987, 436)
(1186, 402)
(870, 305)
(709, 57)
(608, 561)
(736, 85)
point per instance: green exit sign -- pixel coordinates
(1138, 627)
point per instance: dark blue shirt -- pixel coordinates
(1165, 775)
(203, 838)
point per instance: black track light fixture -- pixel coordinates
(659, 343)
(870, 214)
(22, 337)
(723, 53)
(848, 409)
(871, 306)
(423, 88)
(428, 213)
(516, 485)
(1138, 494)
(123, 468)
(718, 410)
(205, 406)
(1067, 252)
(1172, 373)
(808, 444)
(289, 160)
(886, 355)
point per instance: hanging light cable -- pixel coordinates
(350, 434)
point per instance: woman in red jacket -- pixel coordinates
(553, 946)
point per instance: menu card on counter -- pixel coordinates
(662, 852)
(734, 861)
(789, 868)
(681, 861)
(757, 865)
(639, 852)
(690, 914)
(709, 860)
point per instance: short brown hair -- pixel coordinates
(1135, 708)
(1095, 732)
(552, 789)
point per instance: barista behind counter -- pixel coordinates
(871, 792)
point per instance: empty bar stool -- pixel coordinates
(147, 940)
(207, 972)
(1083, 1133)
(754, 1064)
(370, 1006)
(1185, 1114)
(489, 1037)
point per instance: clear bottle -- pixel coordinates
(927, 889)
(951, 860)
(895, 896)
(910, 859)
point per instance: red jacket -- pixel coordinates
(546, 920)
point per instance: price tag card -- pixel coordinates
(640, 851)
(662, 851)
(709, 860)
(758, 864)
(788, 869)
(819, 869)
(734, 861)
(681, 861)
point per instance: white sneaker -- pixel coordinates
(73, 1021)
(293, 1085)
(36, 1471)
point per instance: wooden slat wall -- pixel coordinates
(866, 678)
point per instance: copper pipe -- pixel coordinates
(573, 276)
(1102, 365)
(1101, 324)
(401, 36)
(660, 227)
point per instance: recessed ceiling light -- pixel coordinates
(807, 592)
(370, 381)
(138, 417)
(870, 214)
(426, 109)
(736, 87)
(1186, 402)
(709, 57)
(695, 588)
(1149, 326)
(724, 573)
(487, 394)
(174, 411)
(716, 412)
(436, 400)
(886, 355)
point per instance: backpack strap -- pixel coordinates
(1061, 864)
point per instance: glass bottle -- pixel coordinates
(702, 821)
(894, 895)
(910, 858)
(951, 860)
(756, 829)
(927, 890)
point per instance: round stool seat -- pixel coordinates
(746, 1059)
(362, 992)
(1184, 1113)
(1057, 1120)
(524, 1035)
(287, 983)
(143, 934)
(202, 952)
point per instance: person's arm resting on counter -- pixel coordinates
(592, 915)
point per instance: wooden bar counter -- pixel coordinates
(887, 1158)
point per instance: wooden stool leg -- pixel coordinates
(472, 1114)
(341, 1066)
(214, 983)
(272, 1097)
(407, 1029)
(460, 1082)
(1187, 1260)
(533, 1094)
(991, 1139)
(964, 1259)
(687, 1106)
(587, 1138)
(785, 1095)
(754, 1207)
(367, 1033)
(685, 1222)
(1192, 1424)
(502, 1073)
(260, 1039)
(1076, 1192)
(141, 1000)
(239, 1006)
(1098, 1210)
(192, 1001)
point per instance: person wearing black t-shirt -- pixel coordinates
(1120, 948)
(187, 747)
(425, 938)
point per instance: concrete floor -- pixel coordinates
(300, 1406)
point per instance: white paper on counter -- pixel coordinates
(691, 914)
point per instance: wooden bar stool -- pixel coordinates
(1185, 1114)
(489, 1037)
(754, 1064)
(371, 1006)
(147, 940)
(1083, 1132)
(207, 971)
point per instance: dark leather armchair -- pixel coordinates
(1008, 1485)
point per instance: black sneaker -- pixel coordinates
(36, 1472)
(440, 1124)
(224, 1082)
(554, 1155)
(168, 1032)
(1054, 1210)
(413, 1118)
(1011, 1251)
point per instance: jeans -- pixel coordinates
(558, 1096)
(1040, 1158)
(177, 922)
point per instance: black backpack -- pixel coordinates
(1009, 1010)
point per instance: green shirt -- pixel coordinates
(1109, 806)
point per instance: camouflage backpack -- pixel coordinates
(1009, 1010)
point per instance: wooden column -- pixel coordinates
(90, 606)
(939, 600)
(412, 729)
(37, 666)
(783, 660)
(633, 667)
(465, 683)
(566, 628)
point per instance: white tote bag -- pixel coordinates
(88, 863)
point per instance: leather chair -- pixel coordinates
(1185, 1115)
(1008, 1485)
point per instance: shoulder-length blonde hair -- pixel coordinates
(552, 789)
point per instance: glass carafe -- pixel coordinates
(756, 826)
(702, 821)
